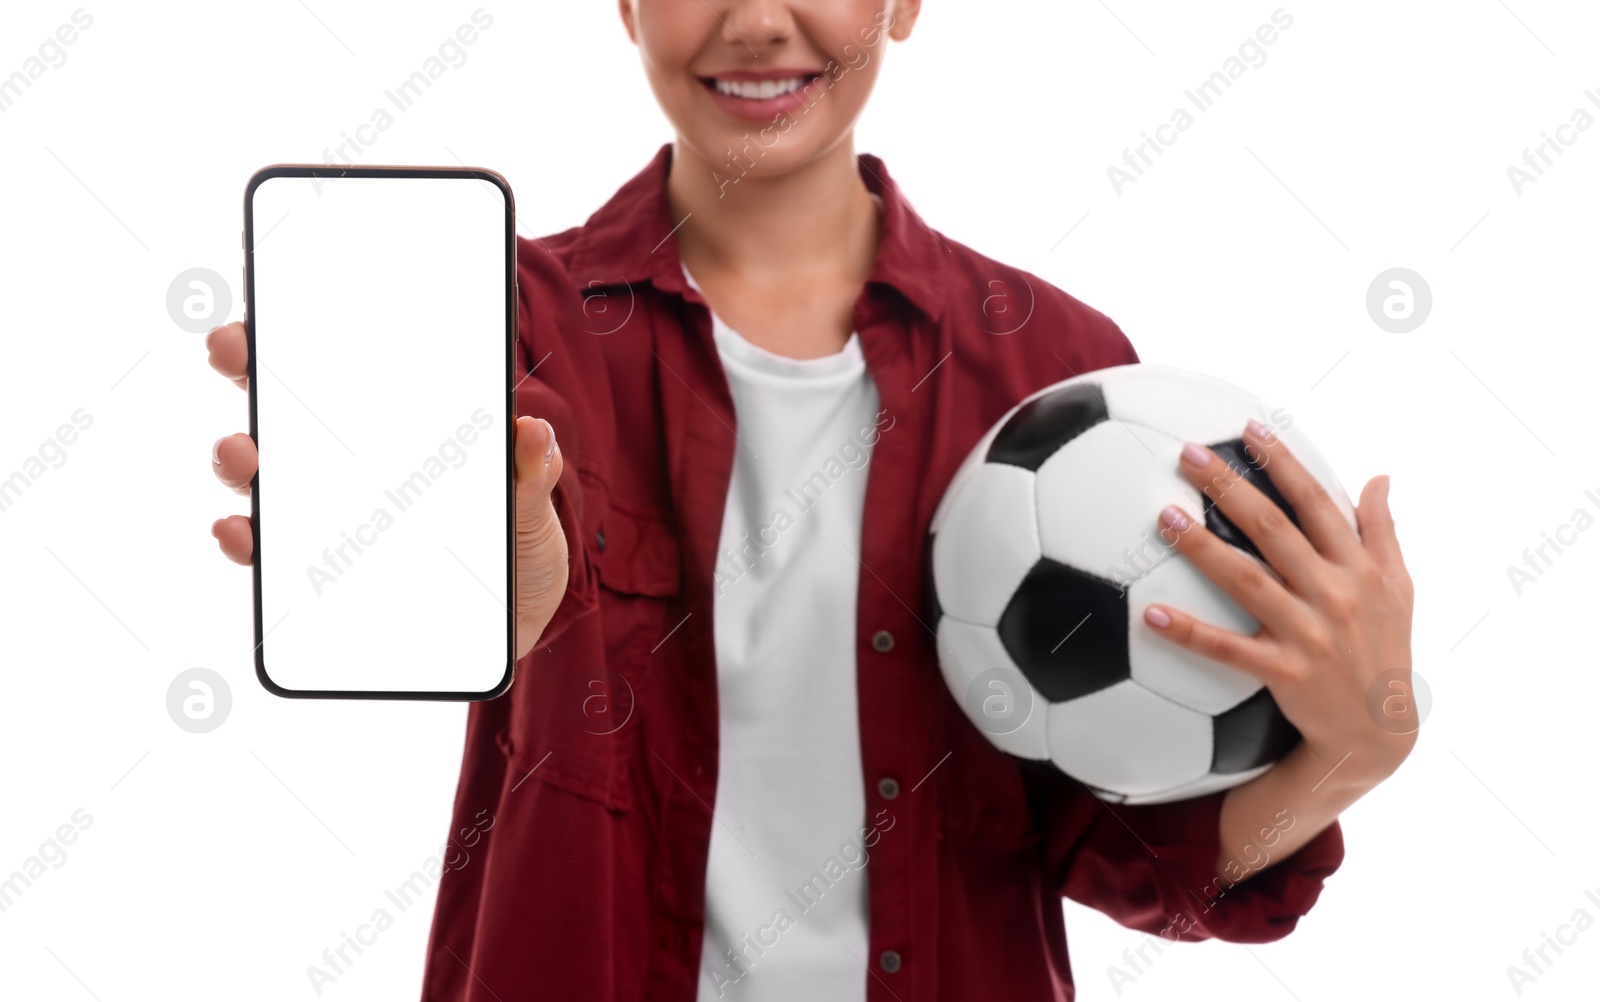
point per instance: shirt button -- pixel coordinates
(888, 788)
(600, 540)
(883, 641)
(889, 960)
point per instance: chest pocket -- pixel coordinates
(639, 555)
(582, 697)
(640, 570)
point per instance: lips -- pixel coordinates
(760, 96)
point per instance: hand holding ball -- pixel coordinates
(1045, 553)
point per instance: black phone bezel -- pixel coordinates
(333, 171)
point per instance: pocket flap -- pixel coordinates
(640, 555)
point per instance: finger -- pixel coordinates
(234, 461)
(1319, 518)
(1241, 577)
(1276, 538)
(1377, 525)
(234, 538)
(229, 353)
(1258, 656)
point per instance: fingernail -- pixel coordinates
(1383, 491)
(1258, 429)
(216, 453)
(550, 449)
(1196, 455)
(1157, 616)
(1173, 518)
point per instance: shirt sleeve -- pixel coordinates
(561, 379)
(483, 772)
(1153, 868)
(536, 399)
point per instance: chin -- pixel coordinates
(765, 150)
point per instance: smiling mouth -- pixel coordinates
(758, 90)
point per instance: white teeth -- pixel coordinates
(759, 90)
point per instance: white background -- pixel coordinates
(1376, 135)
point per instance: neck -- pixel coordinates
(819, 215)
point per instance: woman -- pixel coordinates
(729, 766)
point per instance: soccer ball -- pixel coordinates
(1045, 551)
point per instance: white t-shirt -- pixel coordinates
(786, 890)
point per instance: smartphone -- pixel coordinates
(381, 319)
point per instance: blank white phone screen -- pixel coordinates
(380, 381)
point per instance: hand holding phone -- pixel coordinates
(404, 295)
(541, 561)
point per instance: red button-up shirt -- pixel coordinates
(599, 769)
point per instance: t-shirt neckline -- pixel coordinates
(848, 360)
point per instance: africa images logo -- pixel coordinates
(453, 451)
(852, 454)
(849, 859)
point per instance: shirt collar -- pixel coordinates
(632, 238)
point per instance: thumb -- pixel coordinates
(539, 465)
(541, 559)
(1377, 524)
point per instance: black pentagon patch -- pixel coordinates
(1233, 453)
(1251, 734)
(1034, 433)
(1052, 602)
